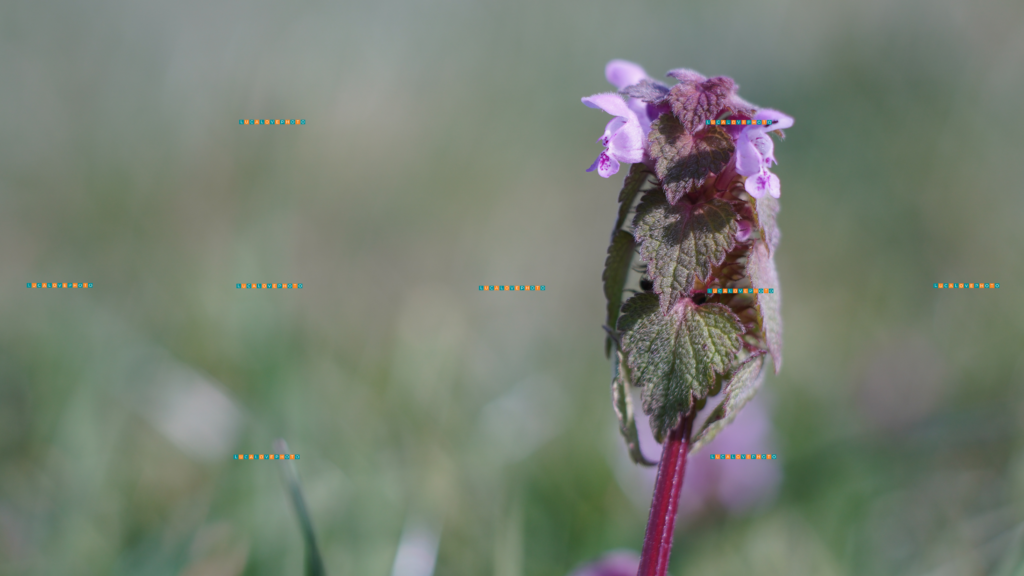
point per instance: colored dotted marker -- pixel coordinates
(511, 288)
(743, 456)
(288, 122)
(268, 286)
(967, 285)
(266, 456)
(741, 290)
(738, 122)
(58, 284)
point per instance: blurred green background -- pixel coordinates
(445, 148)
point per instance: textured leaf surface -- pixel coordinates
(681, 243)
(648, 90)
(761, 269)
(695, 102)
(622, 400)
(684, 159)
(767, 210)
(738, 389)
(675, 355)
(638, 176)
(616, 270)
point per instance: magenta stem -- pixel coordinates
(662, 521)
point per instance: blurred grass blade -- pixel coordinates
(314, 564)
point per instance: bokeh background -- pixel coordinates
(468, 433)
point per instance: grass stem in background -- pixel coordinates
(314, 564)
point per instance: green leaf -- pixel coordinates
(681, 243)
(761, 269)
(638, 175)
(675, 356)
(739, 389)
(767, 209)
(622, 400)
(684, 159)
(616, 270)
(637, 308)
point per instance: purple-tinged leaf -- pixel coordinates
(681, 243)
(639, 174)
(616, 270)
(622, 401)
(650, 91)
(675, 356)
(761, 269)
(740, 387)
(682, 160)
(693, 103)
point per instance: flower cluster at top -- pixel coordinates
(694, 100)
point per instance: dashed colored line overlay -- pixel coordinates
(268, 286)
(743, 456)
(58, 284)
(272, 122)
(511, 288)
(266, 456)
(967, 285)
(741, 290)
(738, 122)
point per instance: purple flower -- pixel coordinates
(693, 100)
(623, 74)
(617, 563)
(623, 137)
(755, 154)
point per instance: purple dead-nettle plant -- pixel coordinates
(705, 219)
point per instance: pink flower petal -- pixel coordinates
(642, 110)
(748, 159)
(781, 121)
(763, 182)
(765, 147)
(610, 129)
(622, 73)
(774, 186)
(623, 135)
(605, 165)
(627, 144)
(610, 102)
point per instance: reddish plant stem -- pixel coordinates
(662, 521)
